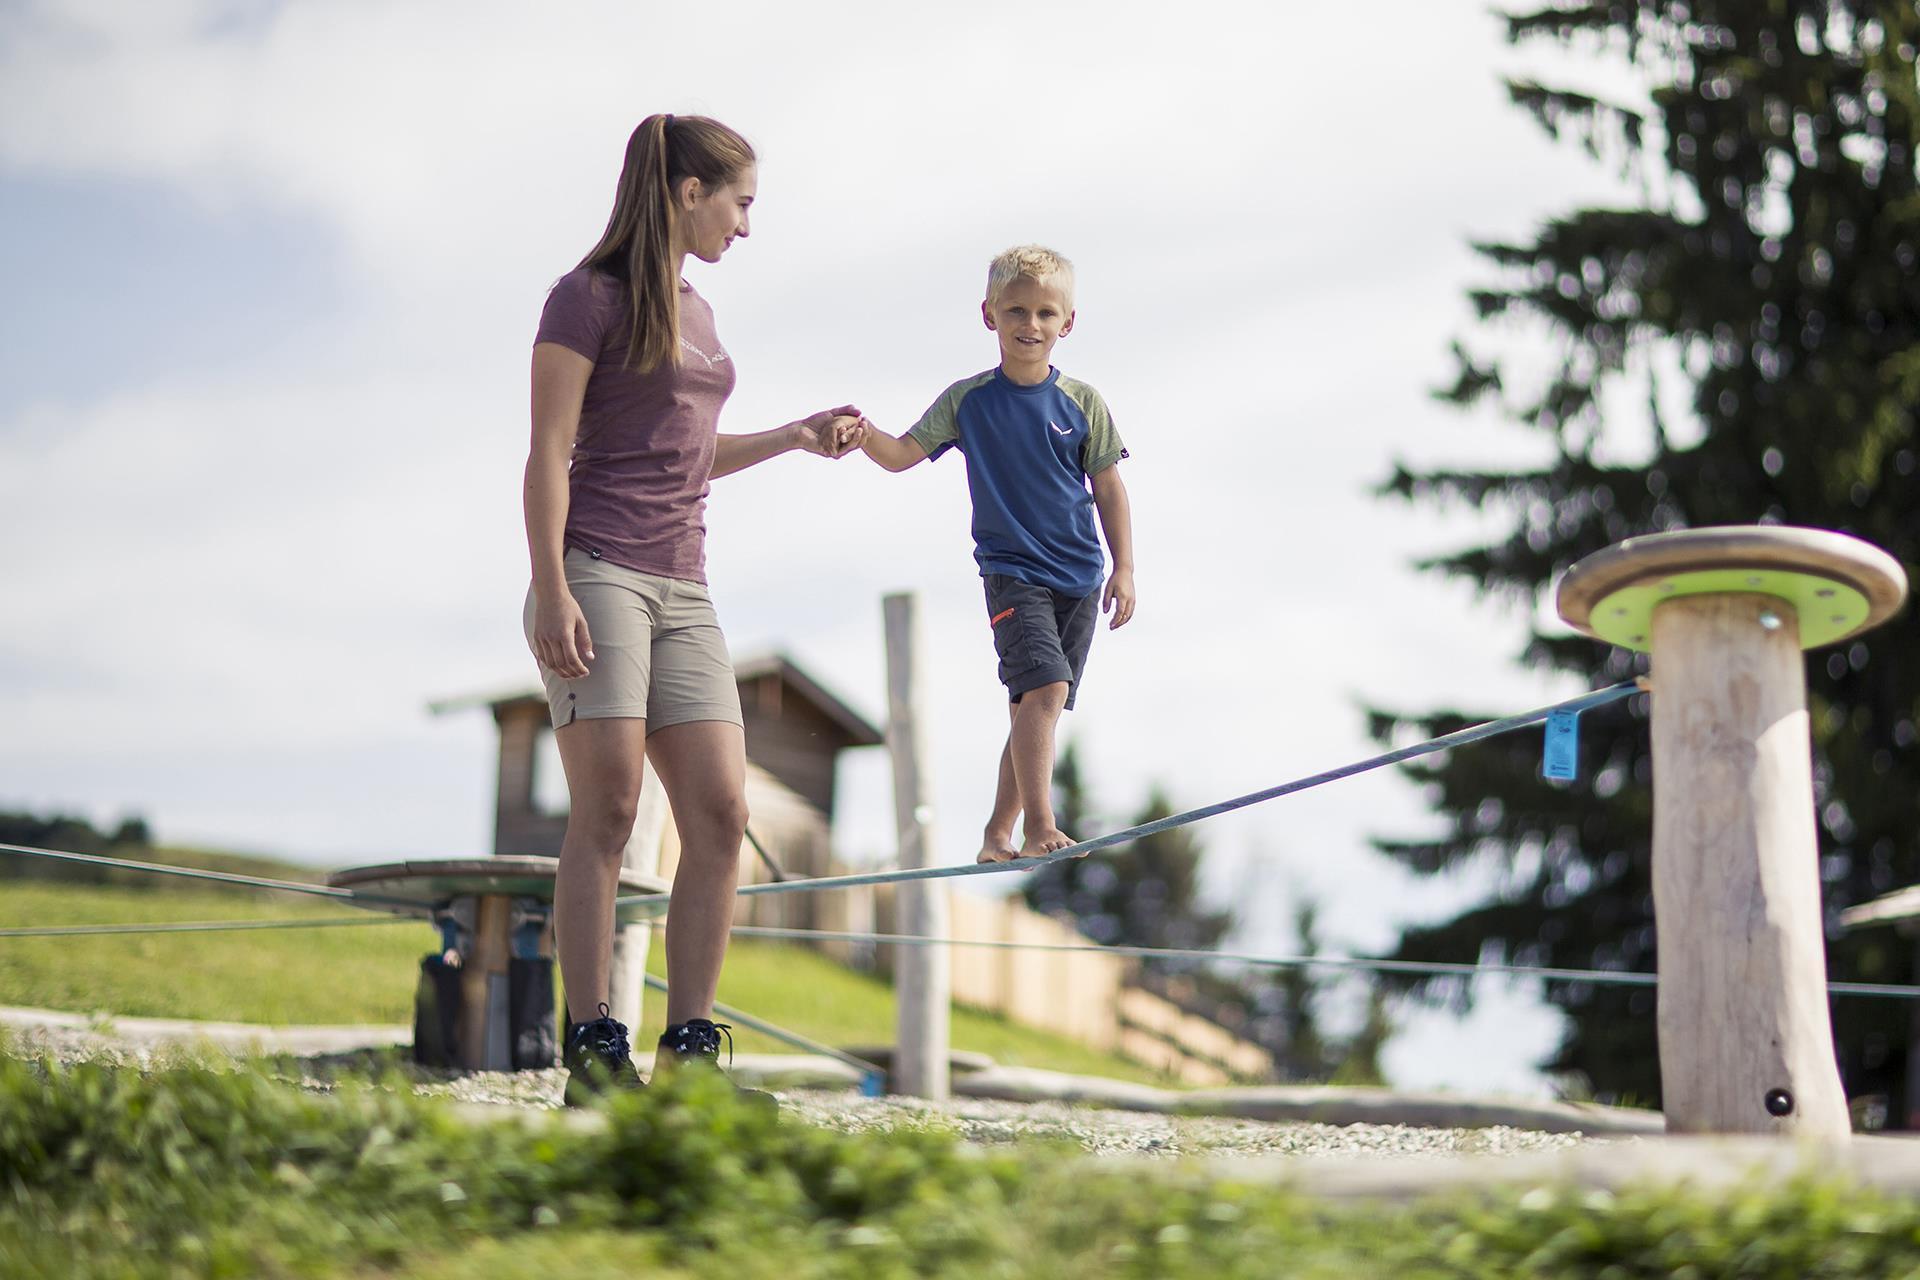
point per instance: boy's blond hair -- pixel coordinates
(1036, 262)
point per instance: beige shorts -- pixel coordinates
(658, 654)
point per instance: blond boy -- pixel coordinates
(1041, 456)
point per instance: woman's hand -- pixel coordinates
(560, 639)
(831, 433)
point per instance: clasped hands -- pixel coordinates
(832, 433)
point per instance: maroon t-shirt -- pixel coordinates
(638, 482)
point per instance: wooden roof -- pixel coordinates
(858, 731)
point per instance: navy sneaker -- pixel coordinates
(696, 1043)
(598, 1059)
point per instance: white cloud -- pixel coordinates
(1268, 208)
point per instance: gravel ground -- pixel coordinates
(984, 1122)
(1108, 1132)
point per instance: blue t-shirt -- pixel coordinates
(1029, 452)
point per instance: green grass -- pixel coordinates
(112, 1172)
(347, 975)
(367, 974)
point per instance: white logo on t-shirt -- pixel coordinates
(716, 358)
(1057, 427)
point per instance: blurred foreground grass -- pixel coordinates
(194, 1172)
(366, 973)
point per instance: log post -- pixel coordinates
(1746, 1043)
(921, 979)
(484, 1042)
(627, 970)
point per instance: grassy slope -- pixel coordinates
(367, 974)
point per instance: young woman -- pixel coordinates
(628, 380)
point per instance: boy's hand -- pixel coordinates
(840, 436)
(830, 433)
(1118, 598)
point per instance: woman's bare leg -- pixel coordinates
(604, 760)
(703, 766)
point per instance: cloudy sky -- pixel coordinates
(272, 272)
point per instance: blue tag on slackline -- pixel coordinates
(1562, 759)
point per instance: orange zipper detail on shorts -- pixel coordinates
(1000, 617)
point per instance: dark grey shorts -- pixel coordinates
(1041, 635)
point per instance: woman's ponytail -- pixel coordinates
(637, 246)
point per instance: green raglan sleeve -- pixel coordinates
(939, 426)
(1103, 445)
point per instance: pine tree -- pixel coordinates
(1768, 282)
(1144, 893)
(1304, 1052)
(1077, 887)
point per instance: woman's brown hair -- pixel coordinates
(636, 247)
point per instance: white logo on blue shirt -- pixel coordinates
(1057, 427)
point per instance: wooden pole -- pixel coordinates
(627, 973)
(921, 978)
(520, 729)
(1746, 1045)
(484, 1039)
(1746, 1042)
(1909, 1103)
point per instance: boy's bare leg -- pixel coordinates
(1031, 748)
(997, 843)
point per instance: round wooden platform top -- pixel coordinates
(418, 887)
(1838, 585)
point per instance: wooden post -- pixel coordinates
(1908, 1104)
(484, 1030)
(1746, 1044)
(1743, 998)
(627, 975)
(920, 974)
(520, 730)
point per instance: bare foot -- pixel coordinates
(1044, 840)
(997, 846)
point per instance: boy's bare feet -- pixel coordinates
(1044, 840)
(997, 846)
